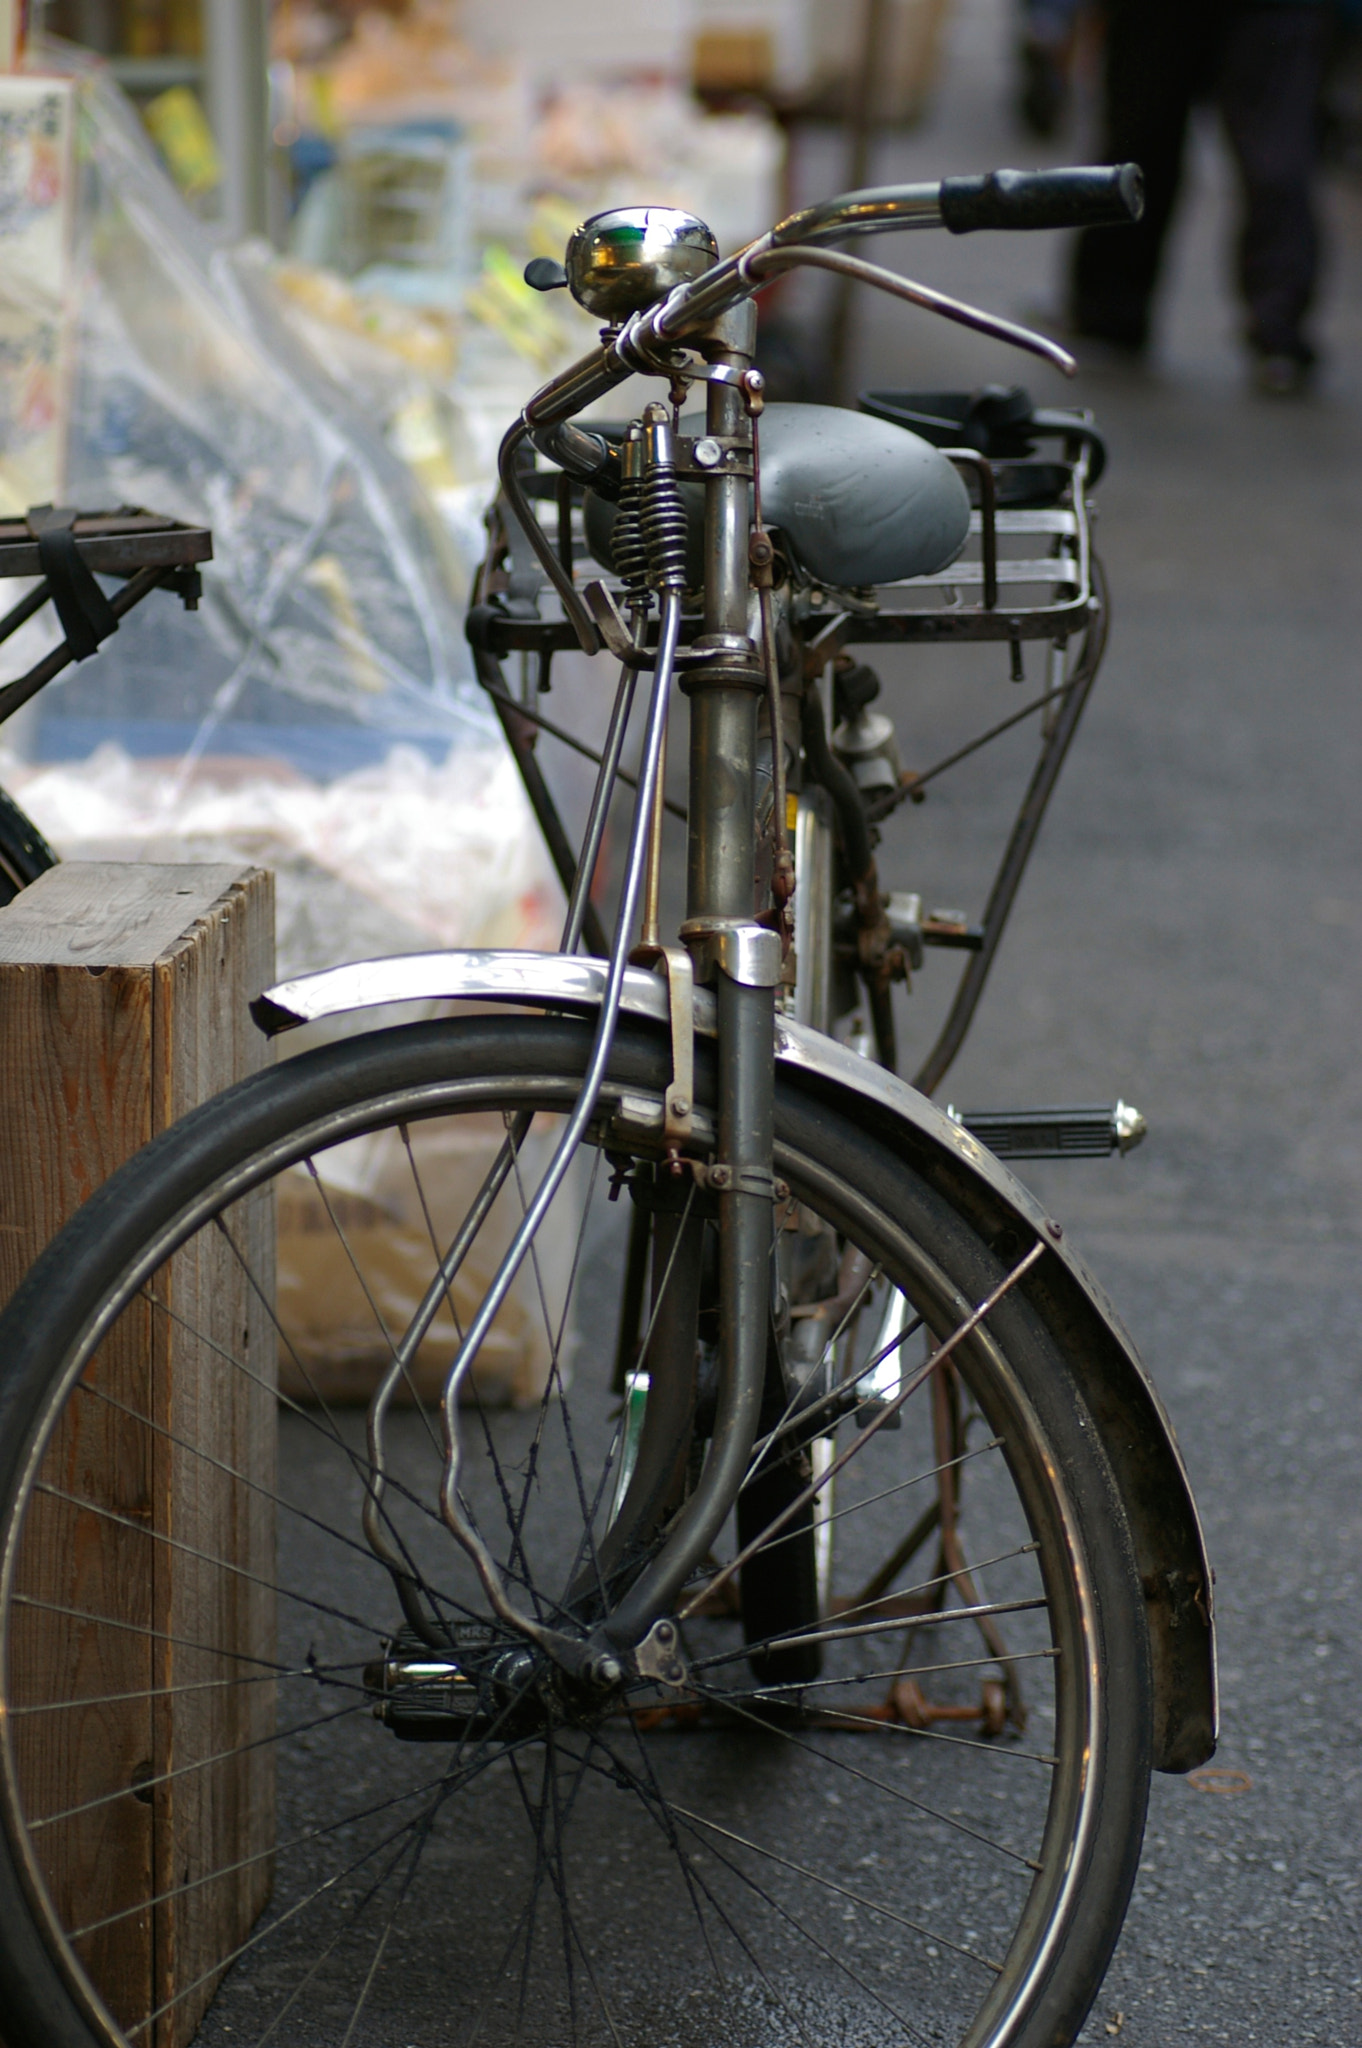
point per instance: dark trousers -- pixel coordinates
(1263, 65)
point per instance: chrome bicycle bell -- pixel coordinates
(619, 262)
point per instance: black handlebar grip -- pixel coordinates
(1078, 196)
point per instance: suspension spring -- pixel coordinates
(628, 550)
(663, 513)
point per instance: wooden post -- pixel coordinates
(123, 1003)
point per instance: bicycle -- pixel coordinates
(666, 1640)
(64, 549)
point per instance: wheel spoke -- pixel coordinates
(808, 1935)
(306, 1839)
(830, 1884)
(919, 1589)
(857, 1507)
(268, 1666)
(665, 1814)
(263, 1934)
(312, 1672)
(193, 1450)
(890, 1409)
(835, 1633)
(361, 1466)
(183, 1549)
(203, 1763)
(380, 1320)
(797, 1687)
(894, 1792)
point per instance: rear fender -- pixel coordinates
(1117, 1390)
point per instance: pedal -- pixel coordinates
(1079, 1133)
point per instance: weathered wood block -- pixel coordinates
(123, 1003)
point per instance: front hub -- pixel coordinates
(487, 1686)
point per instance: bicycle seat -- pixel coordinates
(857, 500)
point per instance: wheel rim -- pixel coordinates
(833, 1933)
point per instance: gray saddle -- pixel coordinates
(857, 500)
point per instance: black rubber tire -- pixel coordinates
(24, 853)
(779, 1587)
(1073, 1913)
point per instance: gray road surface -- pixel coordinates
(1189, 938)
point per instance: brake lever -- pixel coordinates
(764, 264)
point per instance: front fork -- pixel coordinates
(741, 960)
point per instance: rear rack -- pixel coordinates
(1027, 572)
(67, 549)
(109, 543)
(1000, 611)
(1030, 531)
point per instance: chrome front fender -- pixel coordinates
(1125, 1407)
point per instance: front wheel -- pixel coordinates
(262, 1784)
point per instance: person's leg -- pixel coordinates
(1044, 57)
(1159, 58)
(1271, 73)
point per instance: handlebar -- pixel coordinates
(1079, 196)
(1076, 196)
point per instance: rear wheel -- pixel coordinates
(244, 1800)
(24, 853)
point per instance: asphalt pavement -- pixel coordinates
(1188, 939)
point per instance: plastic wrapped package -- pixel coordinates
(36, 205)
(331, 622)
(318, 714)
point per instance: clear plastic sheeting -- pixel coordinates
(331, 622)
(317, 716)
(396, 858)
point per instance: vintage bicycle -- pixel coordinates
(790, 1666)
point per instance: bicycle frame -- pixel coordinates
(735, 955)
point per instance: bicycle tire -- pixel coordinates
(779, 1589)
(890, 1814)
(24, 853)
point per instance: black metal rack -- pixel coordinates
(67, 550)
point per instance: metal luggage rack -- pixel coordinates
(1030, 530)
(67, 549)
(998, 576)
(993, 592)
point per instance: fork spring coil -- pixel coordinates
(628, 549)
(664, 527)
